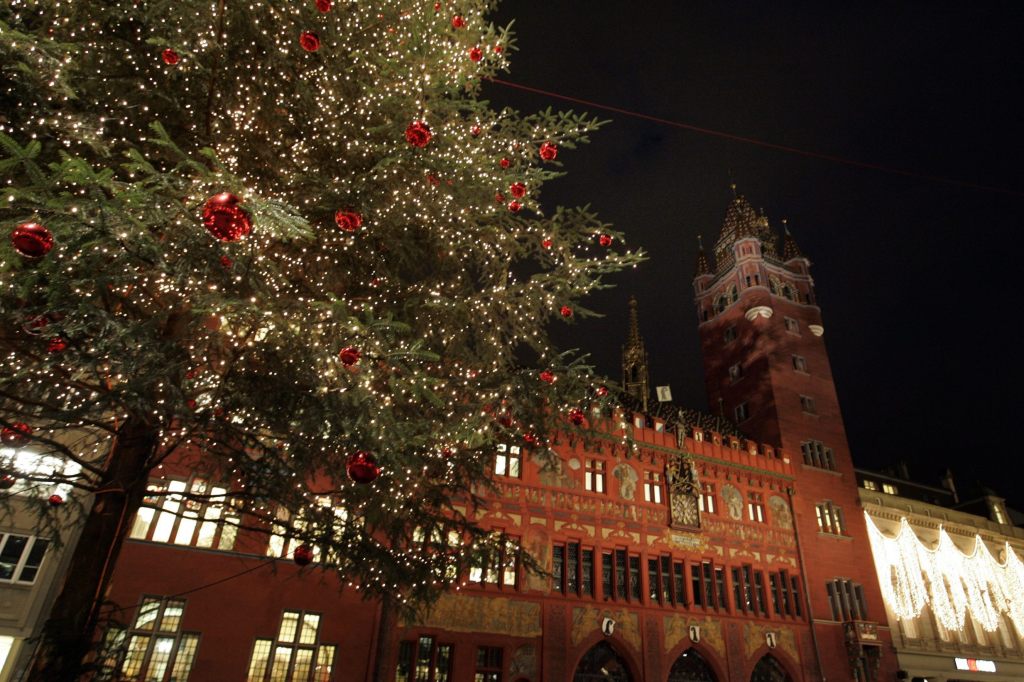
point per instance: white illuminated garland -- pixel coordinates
(913, 575)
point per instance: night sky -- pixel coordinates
(917, 279)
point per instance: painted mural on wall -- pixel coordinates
(552, 470)
(493, 615)
(781, 516)
(627, 478)
(733, 501)
(677, 629)
(755, 637)
(683, 492)
(587, 621)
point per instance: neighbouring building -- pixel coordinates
(952, 578)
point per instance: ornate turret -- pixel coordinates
(634, 360)
(790, 250)
(703, 268)
(742, 222)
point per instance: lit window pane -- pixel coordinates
(183, 660)
(186, 528)
(147, 614)
(136, 653)
(513, 469)
(303, 664)
(289, 626)
(310, 624)
(172, 616)
(165, 522)
(159, 659)
(143, 519)
(324, 664)
(228, 533)
(260, 659)
(279, 668)
(499, 465)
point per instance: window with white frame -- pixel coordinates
(593, 475)
(287, 533)
(154, 649)
(20, 557)
(296, 654)
(830, 518)
(652, 487)
(186, 512)
(707, 497)
(26, 465)
(755, 507)
(503, 571)
(508, 461)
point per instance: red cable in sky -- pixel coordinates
(759, 143)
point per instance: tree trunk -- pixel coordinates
(385, 640)
(69, 633)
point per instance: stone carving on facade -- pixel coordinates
(683, 492)
(586, 621)
(677, 629)
(733, 501)
(552, 471)
(493, 615)
(524, 662)
(627, 480)
(781, 515)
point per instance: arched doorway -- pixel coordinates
(691, 667)
(769, 670)
(602, 664)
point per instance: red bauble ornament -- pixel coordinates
(498, 49)
(576, 416)
(605, 240)
(530, 438)
(504, 163)
(226, 262)
(15, 435)
(547, 377)
(302, 555)
(56, 345)
(602, 391)
(7, 482)
(56, 500)
(362, 467)
(31, 240)
(348, 221)
(418, 134)
(36, 324)
(548, 151)
(566, 311)
(475, 131)
(437, 7)
(458, 21)
(475, 54)
(225, 219)
(170, 57)
(514, 206)
(517, 189)
(499, 198)
(546, 243)
(323, 5)
(349, 356)
(309, 41)
(191, 403)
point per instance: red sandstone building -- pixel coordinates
(678, 550)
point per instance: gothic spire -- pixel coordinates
(702, 260)
(634, 359)
(790, 250)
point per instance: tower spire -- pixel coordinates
(702, 260)
(790, 250)
(634, 359)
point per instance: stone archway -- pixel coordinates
(691, 667)
(602, 664)
(768, 669)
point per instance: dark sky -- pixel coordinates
(917, 280)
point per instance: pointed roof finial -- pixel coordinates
(634, 323)
(703, 268)
(732, 186)
(790, 250)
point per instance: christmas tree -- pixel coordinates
(289, 240)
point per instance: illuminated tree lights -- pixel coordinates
(346, 305)
(913, 575)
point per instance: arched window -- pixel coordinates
(691, 667)
(769, 670)
(602, 664)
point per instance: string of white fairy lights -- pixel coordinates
(914, 575)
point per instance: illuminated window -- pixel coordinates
(573, 569)
(870, 485)
(24, 465)
(742, 412)
(154, 649)
(288, 530)
(504, 571)
(652, 487)
(508, 461)
(295, 655)
(186, 513)
(889, 488)
(20, 557)
(807, 404)
(830, 518)
(816, 454)
(847, 600)
(594, 475)
(424, 660)
(755, 507)
(488, 664)
(707, 498)
(785, 593)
